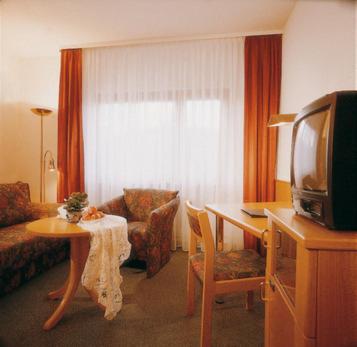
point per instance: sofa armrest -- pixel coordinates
(159, 236)
(164, 214)
(115, 206)
(161, 220)
(44, 210)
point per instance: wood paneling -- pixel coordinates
(282, 191)
(281, 328)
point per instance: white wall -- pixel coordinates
(33, 31)
(29, 78)
(29, 82)
(319, 46)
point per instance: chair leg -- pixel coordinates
(249, 300)
(206, 317)
(190, 291)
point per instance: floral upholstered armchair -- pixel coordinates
(150, 214)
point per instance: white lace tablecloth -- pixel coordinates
(109, 247)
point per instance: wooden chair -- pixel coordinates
(219, 272)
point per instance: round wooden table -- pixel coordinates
(60, 228)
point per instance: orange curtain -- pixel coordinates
(70, 133)
(262, 97)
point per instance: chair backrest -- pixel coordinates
(15, 203)
(140, 202)
(200, 226)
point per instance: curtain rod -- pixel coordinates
(143, 41)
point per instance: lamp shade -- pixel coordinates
(51, 165)
(41, 111)
(281, 119)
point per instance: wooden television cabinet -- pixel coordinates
(311, 283)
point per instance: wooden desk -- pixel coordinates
(232, 213)
(55, 227)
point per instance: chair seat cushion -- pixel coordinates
(231, 265)
(138, 238)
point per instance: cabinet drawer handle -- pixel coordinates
(262, 291)
(272, 285)
(264, 239)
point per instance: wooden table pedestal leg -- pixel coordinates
(73, 281)
(56, 294)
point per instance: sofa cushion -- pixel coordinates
(24, 187)
(15, 206)
(22, 255)
(141, 202)
(17, 247)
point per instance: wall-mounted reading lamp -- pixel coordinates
(277, 120)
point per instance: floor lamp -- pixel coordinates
(43, 112)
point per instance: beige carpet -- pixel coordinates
(153, 314)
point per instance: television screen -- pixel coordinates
(310, 152)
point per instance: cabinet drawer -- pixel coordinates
(302, 341)
(280, 322)
(294, 269)
(282, 327)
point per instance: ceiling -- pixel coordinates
(33, 26)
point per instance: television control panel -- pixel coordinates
(309, 208)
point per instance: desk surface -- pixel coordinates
(56, 227)
(233, 214)
(310, 234)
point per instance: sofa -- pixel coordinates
(150, 214)
(23, 256)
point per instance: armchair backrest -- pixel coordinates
(140, 202)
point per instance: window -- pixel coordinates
(166, 116)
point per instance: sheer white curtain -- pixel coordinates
(166, 116)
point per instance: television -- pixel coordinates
(324, 161)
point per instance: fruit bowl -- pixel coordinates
(92, 214)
